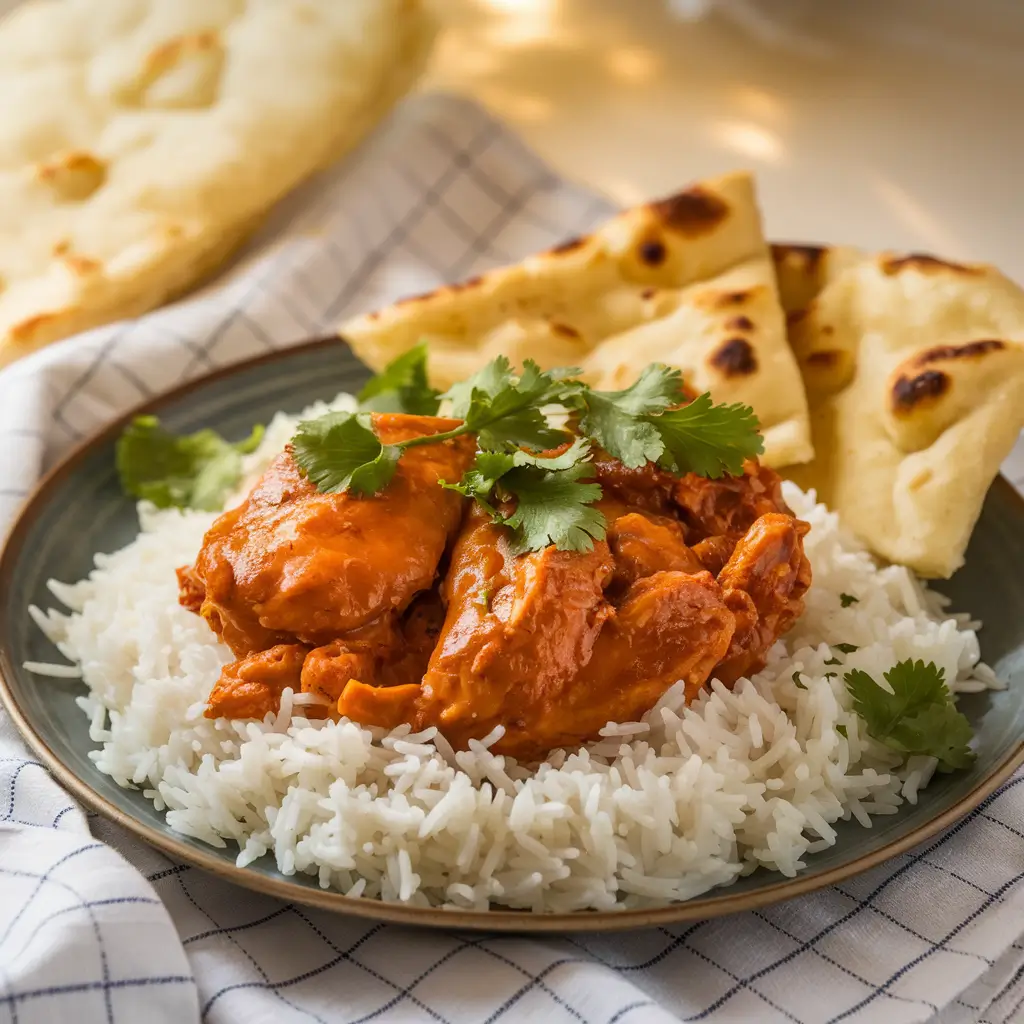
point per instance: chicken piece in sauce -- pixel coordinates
(291, 565)
(553, 645)
(697, 578)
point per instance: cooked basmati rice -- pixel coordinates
(664, 809)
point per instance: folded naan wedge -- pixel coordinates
(914, 369)
(687, 281)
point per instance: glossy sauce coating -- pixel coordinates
(411, 606)
(290, 563)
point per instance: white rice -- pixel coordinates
(659, 810)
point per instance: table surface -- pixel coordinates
(882, 123)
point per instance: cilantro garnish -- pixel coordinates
(553, 501)
(846, 648)
(542, 499)
(340, 452)
(504, 411)
(841, 729)
(847, 599)
(554, 508)
(917, 717)
(796, 679)
(188, 471)
(709, 440)
(647, 423)
(619, 421)
(402, 387)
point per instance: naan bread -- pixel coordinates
(687, 281)
(802, 271)
(142, 140)
(914, 370)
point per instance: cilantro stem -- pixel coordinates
(446, 435)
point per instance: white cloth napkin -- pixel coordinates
(96, 927)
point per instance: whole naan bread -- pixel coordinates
(687, 281)
(142, 140)
(914, 368)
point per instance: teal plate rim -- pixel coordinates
(717, 903)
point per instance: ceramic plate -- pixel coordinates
(79, 509)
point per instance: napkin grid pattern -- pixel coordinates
(107, 929)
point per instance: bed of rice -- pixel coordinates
(660, 810)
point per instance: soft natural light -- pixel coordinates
(759, 103)
(749, 140)
(522, 22)
(635, 65)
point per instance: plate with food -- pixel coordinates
(664, 574)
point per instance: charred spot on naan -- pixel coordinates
(716, 300)
(925, 264)
(691, 213)
(652, 252)
(911, 390)
(908, 394)
(739, 323)
(934, 388)
(569, 245)
(735, 358)
(969, 350)
(565, 330)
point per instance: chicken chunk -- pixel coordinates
(730, 505)
(291, 563)
(643, 544)
(252, 686)
(532, 643)
(518, 628)
(764, 583)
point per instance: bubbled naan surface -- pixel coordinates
(914, 368)
(141, 140)
(687, 280)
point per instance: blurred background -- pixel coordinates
(884, 123)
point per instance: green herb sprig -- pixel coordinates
(647, 422)
(918, 715)
(188, 471)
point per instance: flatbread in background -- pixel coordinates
(686, 280)
(141, 141)
(914, 369)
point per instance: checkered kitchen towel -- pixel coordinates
(95, 927)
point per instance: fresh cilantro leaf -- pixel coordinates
(618, 420)
(191, 471)
(796, 679)
(537, 478)
(487, 382)
(841, 729)
(847, 599)
(505, 411)
(402, 386)
(706, 439)
(918, 717)
(554, 508)
(940, 731)
(483, 599)
(340, 452)
(846, 648)
(830, 675)
(479, 480)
